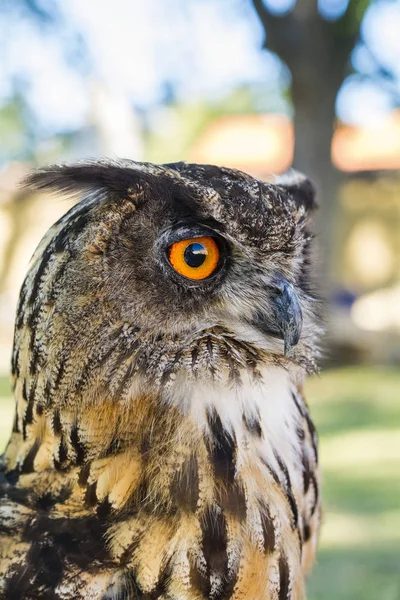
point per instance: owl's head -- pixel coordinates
(156, 261)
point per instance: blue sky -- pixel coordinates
(205, 47)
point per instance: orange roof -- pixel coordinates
(253, 143)
(368, 149)
(260, 144)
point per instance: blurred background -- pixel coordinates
(257, 85)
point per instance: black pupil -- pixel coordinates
(195, 254)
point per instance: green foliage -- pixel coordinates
(13, 135)
(356, 11)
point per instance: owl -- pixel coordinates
(162, 447)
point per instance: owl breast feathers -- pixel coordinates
(161, 447)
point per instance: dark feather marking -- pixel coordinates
(306, 532)
(162, 584)
(48, 500)
(24, 291)
(57, 422)
(199, 579)
(27, 465)
(228, 585)
(210, 347)
(12, 476)
(35, 285)
(284, 578)
(54, 543)
(306, 472)
(57, 244)
(72, 229)
(232, 499)
(39, 409)
(145, 443)
(20, 306)
(316, 493)
(221, 448)
(310, 425)
(47, 393)
(185, 485)
(37, 577)
(303, 192)
(62, 455)
(126, 556)
(77, 445)
(24, 391)
(103, 509)
(84, 475)
(234, 373)
(313, 436)
(304, 280)
(273, 473)
(267, 528)
(55, 284)
(253, 425)
(288, 490)
(60, 373)
(14, 363)
(299, 407)
(195, 355)
(28, 416)
(90, 495)
(34, 358)
(15, 428)
(214, 548)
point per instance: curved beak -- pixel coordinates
(286, 320)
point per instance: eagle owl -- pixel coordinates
(162, 447)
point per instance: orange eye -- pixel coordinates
(195, 258)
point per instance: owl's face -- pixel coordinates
(171, 251)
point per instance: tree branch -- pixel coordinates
(304, 34)
(278, 29)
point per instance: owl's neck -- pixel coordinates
(158, 448)
(208, 476)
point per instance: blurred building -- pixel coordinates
(257, 144)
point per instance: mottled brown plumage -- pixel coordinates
(162, 447)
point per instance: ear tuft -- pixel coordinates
(300, 187)
(107, 176)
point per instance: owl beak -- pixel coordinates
(286, 320)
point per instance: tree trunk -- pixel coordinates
(314, 101)
(317, 53)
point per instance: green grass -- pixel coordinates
(357, 412)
